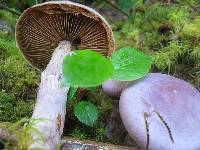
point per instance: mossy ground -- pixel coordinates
(169, 33)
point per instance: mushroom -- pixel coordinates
(114, 88)
(45, 34)
(162, 112)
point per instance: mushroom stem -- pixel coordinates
(49, 113)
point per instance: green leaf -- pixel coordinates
(86, 68)
(86, 113)
(130, 64)
(71, 93)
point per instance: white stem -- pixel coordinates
(51, 102)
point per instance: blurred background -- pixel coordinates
(168, 30)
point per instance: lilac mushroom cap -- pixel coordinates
(161, 112)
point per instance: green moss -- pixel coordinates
(178, 18)
(191, 29)
(12, 109)
(167, 57)
(18, 82)
(195, 55)
(77, 133)
(18, 77)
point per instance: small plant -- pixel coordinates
(178, 18)
(20, 133)
(88, 69)
(86, 112)
(77, 133)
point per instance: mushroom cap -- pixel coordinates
(166, 109)
(114, 88)
(41, 27)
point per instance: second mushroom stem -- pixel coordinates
(49, 113)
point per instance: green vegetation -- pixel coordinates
(86, 68)
(86, 112)
(125, 64)
(12, 109)
(130, 64)
(20, 134)
(18, 82)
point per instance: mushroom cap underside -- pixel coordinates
(41, 27)
(162, 112)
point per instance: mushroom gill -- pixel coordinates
(39, 33)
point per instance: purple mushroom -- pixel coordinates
(113, 88)
(161, 112)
